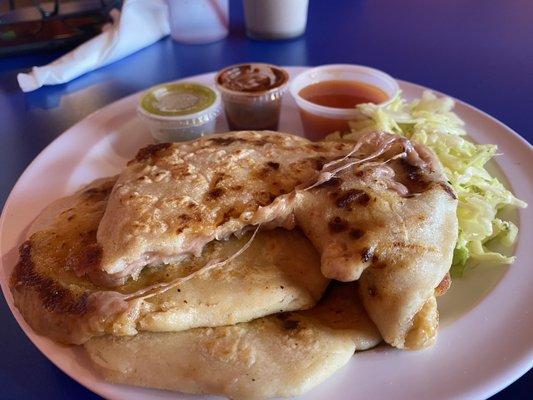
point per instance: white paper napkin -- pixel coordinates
(139, 24)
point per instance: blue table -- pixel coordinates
(480, 52)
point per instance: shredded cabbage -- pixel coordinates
(430, 120)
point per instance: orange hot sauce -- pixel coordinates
(341, 94)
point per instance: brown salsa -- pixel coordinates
(251, 94)
(251, 78)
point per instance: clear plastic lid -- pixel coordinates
(184, 103)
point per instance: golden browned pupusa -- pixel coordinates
(380, 205)
(174, 198)
(279, 355)
(279, 272)
(202, 267)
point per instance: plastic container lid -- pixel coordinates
(184, 103)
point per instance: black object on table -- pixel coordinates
(52, 25)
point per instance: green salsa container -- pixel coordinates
(179, 111)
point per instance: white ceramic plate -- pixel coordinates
(486, 335)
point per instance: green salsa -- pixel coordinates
(178, 99)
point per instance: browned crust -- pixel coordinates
(337, 225)
(151, 151)
(60, 311)
(448, 189)
(444, 285)
(226, 141)
(48, 307)
(53, 296)
(98, 193)
(53, 310)
(350, 196)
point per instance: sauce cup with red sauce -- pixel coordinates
(327, 96)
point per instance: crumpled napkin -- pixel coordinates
(139, 24)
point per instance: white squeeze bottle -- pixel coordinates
(198, 21)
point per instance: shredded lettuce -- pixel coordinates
(430, 120)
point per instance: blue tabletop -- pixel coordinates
(478, 51)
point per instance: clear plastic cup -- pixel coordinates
(179, 111)
(251, 94)
(318, 120)
(198, 21)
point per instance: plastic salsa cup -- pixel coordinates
(179, 111)
(251, 94)
(319, 120)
